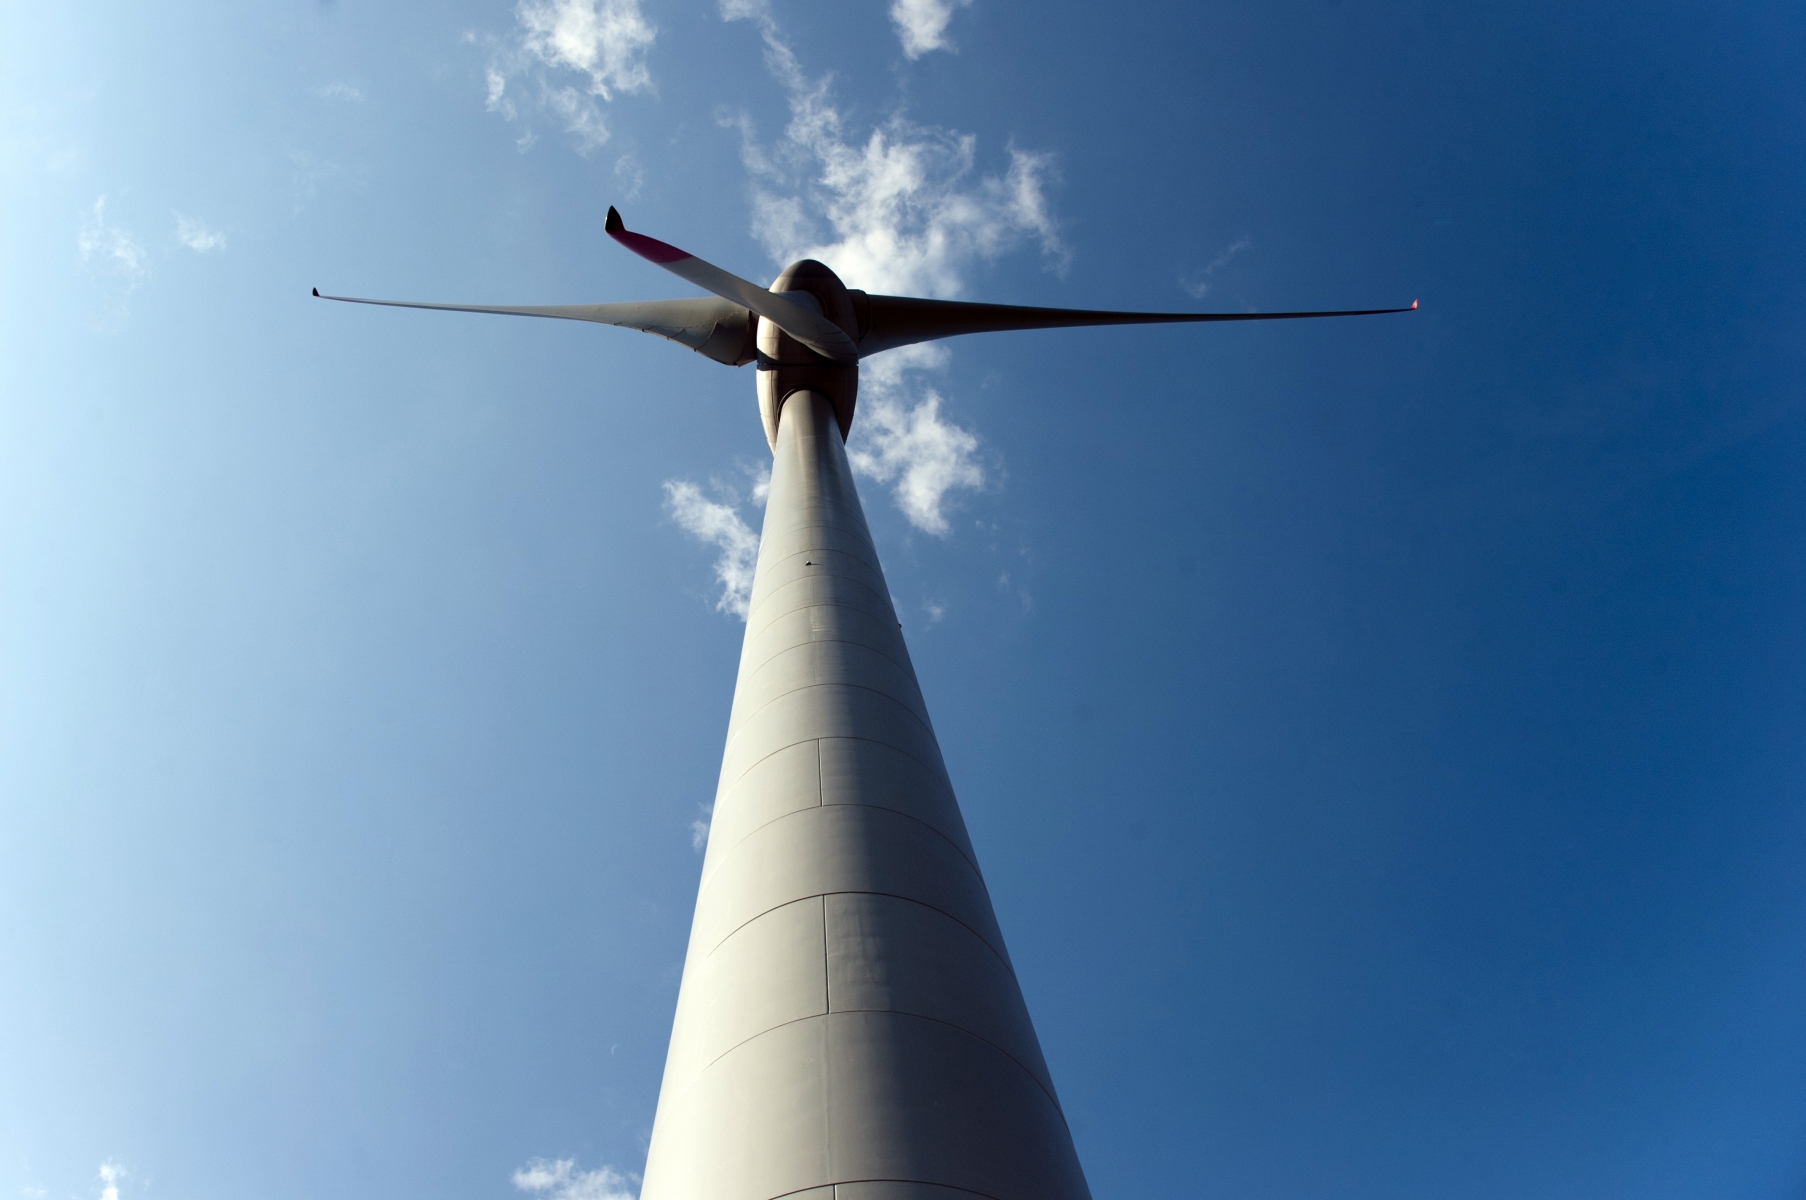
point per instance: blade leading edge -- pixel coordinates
(904, 320)
(713, 327)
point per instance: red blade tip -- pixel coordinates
(648, 248)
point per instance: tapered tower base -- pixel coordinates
(849, 1026)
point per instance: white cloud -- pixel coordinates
(561, 1180)
(1198, 284)
(901, 209)
(197, 237)
(903, 438)
(718, 525)
(110, 1175)
(604, 41)
(922, 24)
(340, 90)
(699, 828)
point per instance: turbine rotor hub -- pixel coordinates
(787, 366)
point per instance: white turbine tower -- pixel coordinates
(849, 1025)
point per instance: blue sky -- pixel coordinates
(1382, 738)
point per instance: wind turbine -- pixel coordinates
(849, 1026)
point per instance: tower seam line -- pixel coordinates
(985, 941)
(840, 737)
(895, 1012)
(823, 803)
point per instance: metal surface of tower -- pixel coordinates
(849, 1026)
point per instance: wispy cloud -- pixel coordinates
(630, 176)
(1198, 284)
(605, 42)
(699, 828)
(109, 248)
(922, 24)
(115, 260)
(340, 90)
(901, 208)
(197, 237)
(561, 1180)
(718, 524)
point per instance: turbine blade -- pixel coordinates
(904, 320)
(715, 328)
(810, 328)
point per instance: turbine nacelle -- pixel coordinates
(786, 364)
(809, 330)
